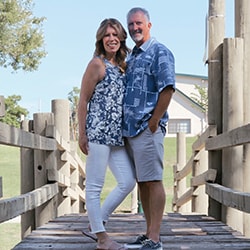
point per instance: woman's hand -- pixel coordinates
(83, 143)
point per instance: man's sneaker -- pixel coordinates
(151, 245)
(137, 243)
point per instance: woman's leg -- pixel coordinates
(96, 165)
(123, 172)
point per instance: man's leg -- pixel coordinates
(153, 202)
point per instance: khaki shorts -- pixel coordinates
(146, 151)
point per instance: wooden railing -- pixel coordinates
(52, 173)
(192, 199)
(226, 196)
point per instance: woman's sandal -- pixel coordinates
(121, 248)
(113, 246)
(90, 235)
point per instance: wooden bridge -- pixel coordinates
(213, 212)
(178, 232)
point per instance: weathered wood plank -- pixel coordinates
(62, 144)
(58, 176)
(81, 164)
(199, 144)
(12, 207)
(12, 136)
(209, 175)
(191, 231)
(66, 156)
(1, 186)
(185, 171)
(2, 106)
(185, 197)
(229, 197)
(71, 193)
(231, 138)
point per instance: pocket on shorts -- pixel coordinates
(149, 131)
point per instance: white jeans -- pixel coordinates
(99, 157)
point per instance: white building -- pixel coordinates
(185, 115)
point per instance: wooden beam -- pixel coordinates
(185, 197)
(58, 176)
(73, 194)
(13, 136)
(66, 156)
(199, 144)
(1, 186)
(185, 171)
(52, 132)
(209, 176)
(2, 106)
(229, 197)
(13, 207)
(81, 164)
(231, 138)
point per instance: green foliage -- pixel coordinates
(201, 98)
(73, 97)
(21, 38)
(13, 112)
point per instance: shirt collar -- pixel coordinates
(144, 46)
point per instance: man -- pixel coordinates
(150, 84)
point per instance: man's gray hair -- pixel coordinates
(138, 9)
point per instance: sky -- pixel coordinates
(69, 33)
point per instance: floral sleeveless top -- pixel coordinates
(104, 118)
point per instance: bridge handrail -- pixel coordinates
(18, 205)
(182, 194)
(60, 186)
(226, 196)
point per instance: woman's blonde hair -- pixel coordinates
(122, 35)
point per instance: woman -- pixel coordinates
(100, 128)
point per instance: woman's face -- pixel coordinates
(111, 42)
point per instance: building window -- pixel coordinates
(179, 125)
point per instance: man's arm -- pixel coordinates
(161, 106)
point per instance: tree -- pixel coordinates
(13, 112)
(201, 98)
(73, 97)
(21, 37)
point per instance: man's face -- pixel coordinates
(139, 28)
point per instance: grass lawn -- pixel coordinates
(10, 172)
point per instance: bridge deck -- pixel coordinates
(178, 232)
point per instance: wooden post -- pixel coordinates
(242, 29)
(1, 186)
(216, 36)
(27, 181)
(181, 162)
(60, 109)
(200, 202)
(2, 106)
(232, 118)
(134, 200)
(46, 211)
